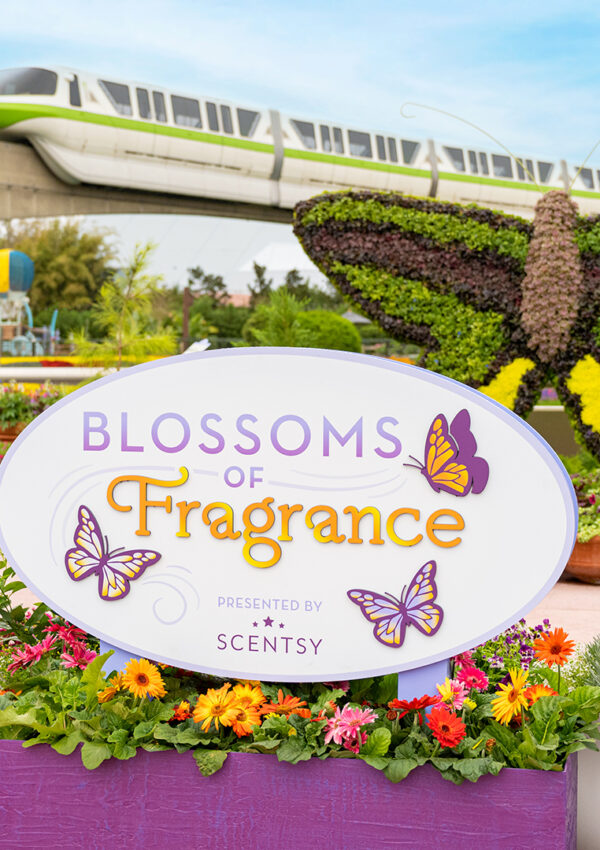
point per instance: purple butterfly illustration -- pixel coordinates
(450, 463)
(391, 616)
(91, 556)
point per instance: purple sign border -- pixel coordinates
(532, 437)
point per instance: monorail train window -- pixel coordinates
(306, 131)
(247, 120)
(529, 172)
(502, 165)
(380, 147)
(338, 141)
(392, 149)
(485, 169)
(473, 162)
(586, 177)
(143, 102)
(74, 93)
(360, 143)
(28, 81)
(226, 119)
(325, 138)
(409, 150)
(160, 109)
(186, 111)
(118, 94)
(213, 118)
(457, 157)
(525, 170)
(545, 170)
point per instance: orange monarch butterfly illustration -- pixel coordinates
(450, 463)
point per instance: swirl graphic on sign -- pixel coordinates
(414, 608)
(91, 556)
(450, 463)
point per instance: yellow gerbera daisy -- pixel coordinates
(248, 696)
(510, 698)
(218, 706)
(143, 679)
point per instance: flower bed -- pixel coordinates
(508, 705)
(18, 407)
(156, 800)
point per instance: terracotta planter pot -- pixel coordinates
(159, 800)
(8, 435)
(584, 563)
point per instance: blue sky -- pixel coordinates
(528, 73)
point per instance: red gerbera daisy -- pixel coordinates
(446, 727)
(403, 706)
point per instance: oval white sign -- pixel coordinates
(285, 514)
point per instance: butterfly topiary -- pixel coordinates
(497, 302)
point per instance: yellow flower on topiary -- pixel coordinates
(504, 388)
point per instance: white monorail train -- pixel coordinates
(118, 133)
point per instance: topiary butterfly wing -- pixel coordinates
(439, 275)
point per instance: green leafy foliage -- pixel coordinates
(466, 341)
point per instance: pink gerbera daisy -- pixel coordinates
(473, 678)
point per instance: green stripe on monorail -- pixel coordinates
(15, 113)
(331, 159)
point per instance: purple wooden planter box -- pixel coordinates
(159, 800)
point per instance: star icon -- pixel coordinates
(281, 625)
(268, 621)
(255, 625)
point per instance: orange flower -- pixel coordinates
(446, 726)
(182, 711)
(286, 705)
(114, 686)
(554, 648)
(143, 679)
(216, 705)
(246, 717)
(534, 692)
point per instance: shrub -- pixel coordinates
(328, 330)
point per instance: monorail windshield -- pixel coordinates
(28, 81)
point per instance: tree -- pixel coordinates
(71, 264)
(208, 284)
(315, 297)
(260, 292)
(124, 310)
(275, 323)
